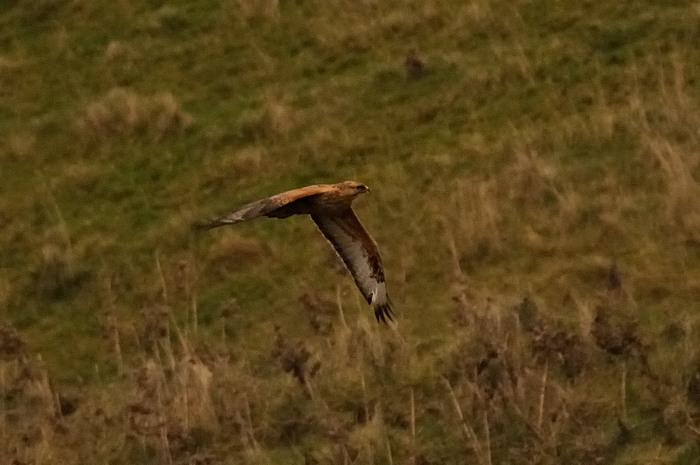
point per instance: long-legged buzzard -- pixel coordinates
(329, 205)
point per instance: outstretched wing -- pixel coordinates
(278, 206)
(360, 254)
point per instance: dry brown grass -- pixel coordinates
(20, 145)
(122, 112)
(278, 118)
(677, 165)
(27, 402)
(117, 51)
(251, 9)
(475, 228)
(82, 176)
(512, 384)
(232, 251)
(6, 291)
(248, 160)
(56, 269)
(274, 120)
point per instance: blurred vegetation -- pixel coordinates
(534, 172)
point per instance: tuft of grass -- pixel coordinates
(20, 145)
(123, 113)
(233, 251)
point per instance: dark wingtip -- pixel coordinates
(206, 224)
(201, 225)
(382, 312)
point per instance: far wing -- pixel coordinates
(278, 206)
(360, 254)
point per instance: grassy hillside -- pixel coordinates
(534, 172)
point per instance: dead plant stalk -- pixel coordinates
(467, 430)
(540, 410)
(413, 428)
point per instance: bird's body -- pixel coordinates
(330, 207)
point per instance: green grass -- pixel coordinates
(543, 143)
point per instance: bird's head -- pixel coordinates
(352, 188)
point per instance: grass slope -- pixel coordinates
(534, 195)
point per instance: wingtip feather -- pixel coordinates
(204, 225)
(382, 312)
(215, 223)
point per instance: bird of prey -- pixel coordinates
(329, 206)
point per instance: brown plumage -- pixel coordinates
(330, 207)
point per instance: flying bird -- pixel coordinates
(329, 206)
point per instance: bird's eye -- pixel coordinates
(361, 187)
